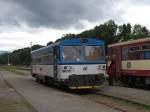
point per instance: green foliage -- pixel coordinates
(18, 57)
(66, 36)
(125, 32)
(49, 43)
(36, 47)
(109, 31)
(106, 32)
(4, 58)
(140, 30)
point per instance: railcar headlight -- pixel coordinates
(101, 67)
(104, 67)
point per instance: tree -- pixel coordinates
(49, 43)
(137, 29)
(34, 47)
(19, 57)
(4, 58)
(140, 31)
(108, 31)
(145, 31)
(66, 36)
(70, 35)
(128, 28)
(124, 32)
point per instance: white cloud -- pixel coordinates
(12, 40)
(17, 31)
(137, 15)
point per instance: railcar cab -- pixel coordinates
(82, 63)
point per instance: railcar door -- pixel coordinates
(55, 62)
(118, 61)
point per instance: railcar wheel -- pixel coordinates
(46, 80)
(37, 78)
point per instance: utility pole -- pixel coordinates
(31, 46)
(30, 56)
(8, 60)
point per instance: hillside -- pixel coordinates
(2, 52)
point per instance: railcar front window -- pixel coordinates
(94, 53)
(73, 53)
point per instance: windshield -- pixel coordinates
(83, 53)
(73, 53)
(94, 53)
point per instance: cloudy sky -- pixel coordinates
(41, 21)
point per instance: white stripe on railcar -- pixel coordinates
(80, 70)
(45, 70)
(136, 65)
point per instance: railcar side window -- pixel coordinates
(146, 54)
(146, 47)
(134, 53)
(33, 60)
(51, 59)
(44, 57)
(47, 59)
(146, 51)
(38, 60)
(136, 48)
(124, 53)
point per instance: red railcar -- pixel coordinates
(132, 60)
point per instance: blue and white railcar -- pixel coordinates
(76, 63)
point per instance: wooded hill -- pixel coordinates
(109, 31)
(18, 57)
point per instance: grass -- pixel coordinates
(13, 70)
(15, 103)
(27, 68)
(10, 99)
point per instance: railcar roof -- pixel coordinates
(40, 49)
(79, 41)
(74, 41)
(130, 42)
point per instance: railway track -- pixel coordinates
(109, 105)
(85, 94)
(119, 104)
(114, 103)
